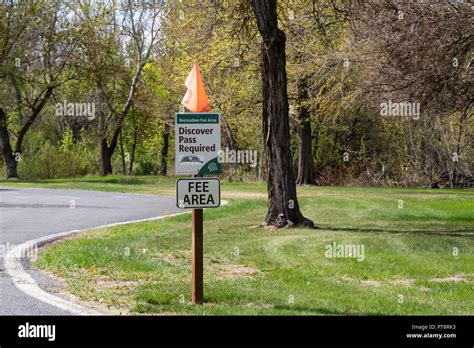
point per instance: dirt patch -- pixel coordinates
(177, 258)
(170, 258)
(423, 289)
(406, 282)
(236, 272)
(375, 283)
(258, 305)
(117, 284)
(62, 292)
(455, 278)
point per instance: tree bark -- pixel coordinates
(105, 158)
(134, 146)
(122, 153)
(8, 156)
(164, 150)
(283, 208)
(462, 122)
(305, 153)
(76, 133)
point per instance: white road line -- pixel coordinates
(25, 283)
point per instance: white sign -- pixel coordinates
(197, 143)
(198, 193)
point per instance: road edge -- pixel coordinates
(14, 267)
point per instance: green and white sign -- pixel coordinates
(198, 193)
(197, 143)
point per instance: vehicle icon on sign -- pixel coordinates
(191, 160)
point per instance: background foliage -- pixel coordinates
(351, 55)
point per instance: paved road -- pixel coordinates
(27, 214)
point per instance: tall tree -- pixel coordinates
(283, 208)
(422, 53)
(315, 30)
(133, 41)
(37, 37)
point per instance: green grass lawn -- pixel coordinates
(130, 184)
(113, 183)
(418, 259)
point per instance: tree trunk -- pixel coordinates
(462, 122)
(283, 208)
(105, 158)
(8, 156)
(230, 138)
(76, 128)
(305, 153)
(164, 150)
(122, 153)
(107, 151)
(76, 134)
(132, 156)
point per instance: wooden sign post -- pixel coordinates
(198, 193)
(197, 143)
(197, 257)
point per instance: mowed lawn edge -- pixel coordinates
(418, 258)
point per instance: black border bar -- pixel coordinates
(289, 331)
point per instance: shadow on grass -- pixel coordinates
(457, 232)
(322, 311)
